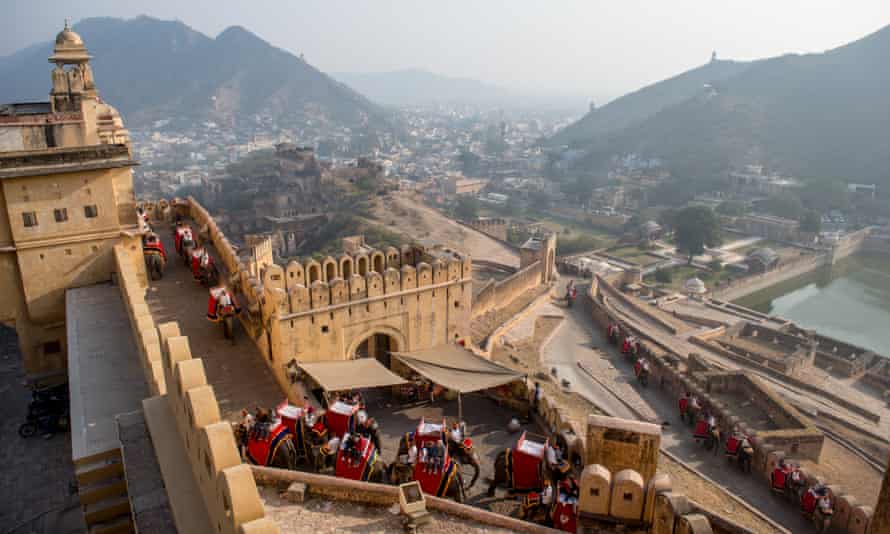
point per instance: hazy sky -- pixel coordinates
(597, 48)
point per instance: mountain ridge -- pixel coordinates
(821, 116)
(151, 68)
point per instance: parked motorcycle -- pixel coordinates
(48, 412)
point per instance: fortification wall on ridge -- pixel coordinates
(498, 294)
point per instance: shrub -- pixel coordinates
(663, 276)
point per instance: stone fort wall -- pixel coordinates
(227, 487)
(675, 377)
(498, 294)
(323, 310)
(492, 227)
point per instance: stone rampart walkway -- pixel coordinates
(237, 372)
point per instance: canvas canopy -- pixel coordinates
(458, 369)
(351, 374)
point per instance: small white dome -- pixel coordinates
(695, 285)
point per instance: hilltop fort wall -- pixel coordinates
(500, 293)
(492, 227)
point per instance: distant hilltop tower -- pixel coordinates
(713, 56)
(592, 106)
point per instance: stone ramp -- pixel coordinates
(238, 374)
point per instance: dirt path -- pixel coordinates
(409, 216)
(237, 373)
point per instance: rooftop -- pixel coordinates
(61, 160)
(104, 371)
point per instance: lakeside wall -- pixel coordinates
(675, 375)
(865, 240)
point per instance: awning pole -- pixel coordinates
(460, 409)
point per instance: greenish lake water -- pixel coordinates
(850, 301)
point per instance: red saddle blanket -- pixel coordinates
(435, 481)
(565, 516)
(340, 418)
(261, 448)
(732, 446)
(360, 467)
(701, 430)
(524, 470)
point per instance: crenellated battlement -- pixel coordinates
(406, 298)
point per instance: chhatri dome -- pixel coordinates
(69, 47)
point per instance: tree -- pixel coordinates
(784, 205)
(811, 222)
(826, 195)
(668, 219)
(731, 208)
(469, 162)
(715, 265)
(663, 276)
(467, 208)
(696, 228)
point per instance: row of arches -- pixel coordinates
(330, 268)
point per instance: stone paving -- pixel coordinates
(36, 472)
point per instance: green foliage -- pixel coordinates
(579, 243)
(467, 208)
(469, 162)
(731, 208)
(715, 265)
(517, 235)
(539, 199)
(825, 195)
(578, 190)
(328, 240)
(255, 165)
(785, 205)
(668, 219)
(663, 276)
(697, 227)
(811, 222)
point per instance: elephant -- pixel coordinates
(503, 478)
(285, 456)
(155, 264)
(209, 275)
(746, 455)
(187, 246)
(465, 457)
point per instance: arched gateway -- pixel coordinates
(396, 305)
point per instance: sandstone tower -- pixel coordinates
(66, 198)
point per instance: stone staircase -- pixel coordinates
(103, 493)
